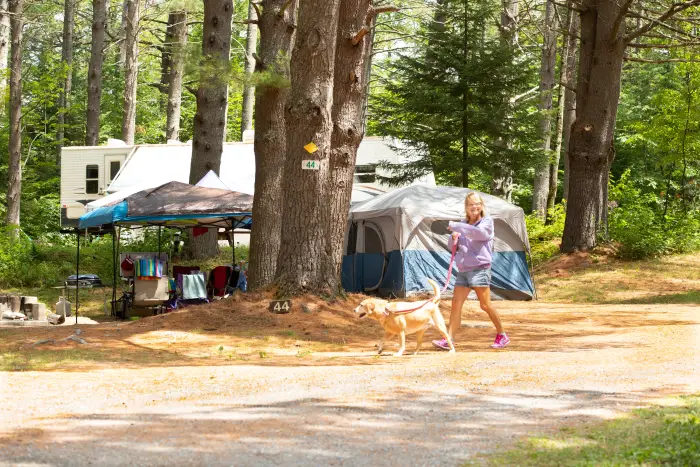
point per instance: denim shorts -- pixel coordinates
(479, 277)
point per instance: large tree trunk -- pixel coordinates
(4, 40)
(251, 43)
(131, 70)
(212, 100)
(591, 147)
(304, 254)
(547, 71)
(502, 173)
(350, 82)
(67, 61)
(14, 170)
(99, 23)
(175, 44)
(276, 41)
(569, 80)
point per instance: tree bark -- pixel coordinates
(176, 42)
(547, 73)
(569, 79)
(277, 28)
(349, 86)
(502, 173)
(4, 40)
(67, 61)
(251, 43)
(591, 146)
(122, 32)
(99, 23)
(212, 100)
(304, 253)
(131, 70)
(14, 171)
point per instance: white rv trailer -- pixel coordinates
(89, 173)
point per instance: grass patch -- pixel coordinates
(653, 436)
(667, 280)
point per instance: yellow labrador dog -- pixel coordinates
(404, 318)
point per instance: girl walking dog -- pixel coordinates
(474, 239)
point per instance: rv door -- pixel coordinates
(113, 165)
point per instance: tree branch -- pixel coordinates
(280, 14)
(577, 8)
(620, 18)
(675, 8)
(638, 45)
(256, 7)
(666, 60)
(371, 14)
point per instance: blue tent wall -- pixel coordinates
(406, 273)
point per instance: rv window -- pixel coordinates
(114, 167)
(92, 185)
(373, 242)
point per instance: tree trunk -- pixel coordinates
(251, 43)
(305, 254)
(122, 32)
(569, 79)
(591, 146)
(99, 23)
(4, 41)
(547, 69)
(176, 42)
(131, 70)
(276, 42)
(212, 99)
(502, 173)
(67, 61)
(14, 170)
(349, 87)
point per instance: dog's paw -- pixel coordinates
(452, 351)
(379, 352)
(398, 354)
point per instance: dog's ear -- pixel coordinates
(370, 307)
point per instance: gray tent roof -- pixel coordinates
(418, 202)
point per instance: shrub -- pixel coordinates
(545, 237)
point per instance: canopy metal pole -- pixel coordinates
(159, 243)
(114, 266)
(77, 275)
(233, 245)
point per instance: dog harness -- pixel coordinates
(447, 283)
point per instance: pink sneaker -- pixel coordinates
(442, 344)
(500, 342)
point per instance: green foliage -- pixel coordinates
(648, 224)
(661, 435)
(545, 237)
(451, 94)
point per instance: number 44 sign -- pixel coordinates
(280, 306)
(310, 165)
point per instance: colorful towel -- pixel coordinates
(149, 269)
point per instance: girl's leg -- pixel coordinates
(459, 296)
(484, 294)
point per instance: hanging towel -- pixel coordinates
(193, 286)
(149, 269)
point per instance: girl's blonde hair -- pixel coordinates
(476, 198)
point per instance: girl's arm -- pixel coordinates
(482, 232)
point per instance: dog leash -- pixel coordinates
(447, 284)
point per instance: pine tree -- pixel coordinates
(450, 100)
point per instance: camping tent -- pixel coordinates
(397, 240)
(176, 204)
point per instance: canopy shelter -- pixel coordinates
(397, 240)
(173, 205)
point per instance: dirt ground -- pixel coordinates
(232, 384)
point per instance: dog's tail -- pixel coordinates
(436, 291)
